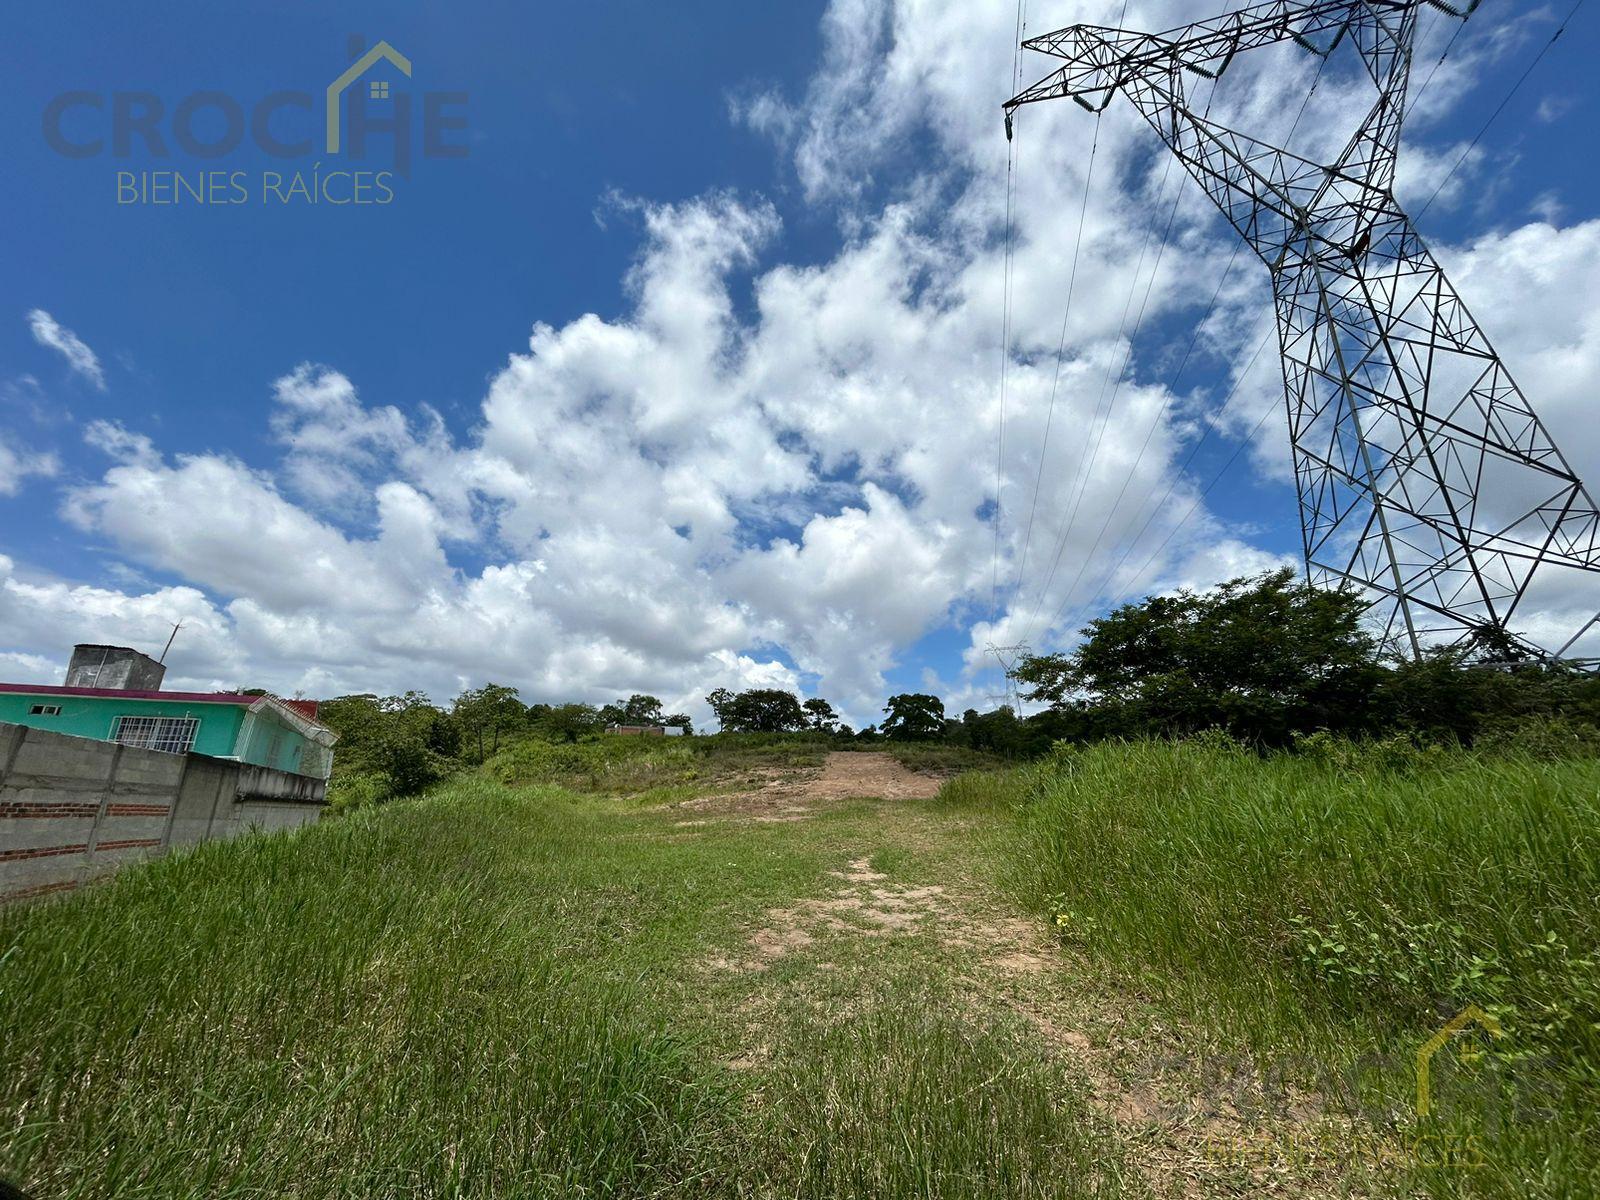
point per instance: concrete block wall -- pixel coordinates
(73, 808)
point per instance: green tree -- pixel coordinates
(679, 721)
(721, 702)
(643, 710)
(820, 714)
(997, 732)
(1448, 696)
(487, 711)
(569, 722)
(635, 710)
(913, 717)
(404, 741)
(764, 710)
(1265, 658)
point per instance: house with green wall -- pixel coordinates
(261, 729)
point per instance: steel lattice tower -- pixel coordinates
(1424, 476)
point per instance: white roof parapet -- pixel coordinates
(312, 730)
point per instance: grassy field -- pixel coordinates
(507, 992)
(631, 985)
(1315, 917)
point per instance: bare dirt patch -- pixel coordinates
(793, 794)
(865, 904)
(849, 775)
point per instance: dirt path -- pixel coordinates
(910, 897)
(875, 775)
(795, 793)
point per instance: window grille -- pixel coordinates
(174, 735)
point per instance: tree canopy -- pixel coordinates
(913, 717)
(820, 714)
(635, 710)
(490, 710)
(758, 710)
(1263, 657)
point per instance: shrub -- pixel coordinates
(347, 793)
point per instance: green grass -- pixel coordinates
(1332, 909)
(386, 1003)
(505, 992)
(937, 757)
(514, 989)
(942, 1106)
(624, 765)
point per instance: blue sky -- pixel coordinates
(755, 440)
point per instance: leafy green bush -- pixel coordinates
(1542, 736)
(346, 793)
(936, 757)
(606, 764)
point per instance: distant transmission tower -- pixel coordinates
(1424, 476)
(1008, 657)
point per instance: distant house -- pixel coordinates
(125, 704)
(646, 730)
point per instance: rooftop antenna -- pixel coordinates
(170, 638)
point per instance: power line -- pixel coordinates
(1178, 475)
(1132, 286)
(1086, 473)
(1061, 350)
(1212, 426)
(1005, 327)
(1061, 346)
(1005, 357)
(1416, 97)
(1419, 483)
(1100, 415)
(1171, 389)
(1206, 491)
(1499, 108)
(1103, 408)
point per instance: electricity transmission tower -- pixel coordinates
(1424, 476)
(1007, 657)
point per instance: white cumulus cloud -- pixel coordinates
(47, 331)
(763, 472)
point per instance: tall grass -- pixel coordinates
(1342, 901)
(369, 1007)
(907, 1098)
(492, 992)
(627, 765)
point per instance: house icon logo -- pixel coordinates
(379, 89)
(375, 121)
(1469, 1016)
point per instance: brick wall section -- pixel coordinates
(23, 852)
(73, 808)
(23, 809)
